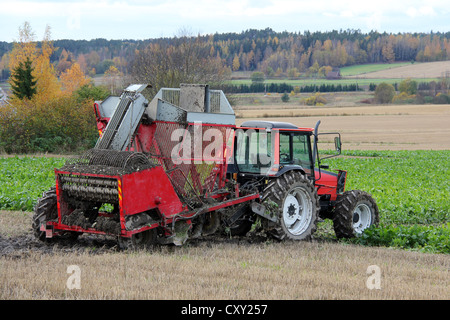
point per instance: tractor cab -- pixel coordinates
(269, 148)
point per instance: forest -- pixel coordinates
(274, 53)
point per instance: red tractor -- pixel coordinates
(179, 168)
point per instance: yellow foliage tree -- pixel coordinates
(73, 78)
(113, 79)
(24, 47)
(48, 86)
(236, 63)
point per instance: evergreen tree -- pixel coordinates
(23, 84)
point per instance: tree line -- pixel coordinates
(285, 87)
(274, 53)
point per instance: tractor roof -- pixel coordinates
(272, 125)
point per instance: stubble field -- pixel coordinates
(238, 268)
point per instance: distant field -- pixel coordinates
(365, 74)
(372, 67)
(417, 70)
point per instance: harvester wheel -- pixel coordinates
(355, 211)
(144, 240)
(294, 199)
(46, 210)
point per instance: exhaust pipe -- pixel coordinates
(316, 139)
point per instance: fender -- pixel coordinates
(286, 168)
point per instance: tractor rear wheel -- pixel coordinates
(355, 211)
(294, 199)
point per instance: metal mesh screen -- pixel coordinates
(191, 154)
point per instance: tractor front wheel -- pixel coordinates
(355, 211)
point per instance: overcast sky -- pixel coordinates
(139, 19)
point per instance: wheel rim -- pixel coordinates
(362, 217)
(297, 208)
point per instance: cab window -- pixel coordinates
(295, 149)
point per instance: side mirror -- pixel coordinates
(338, 144)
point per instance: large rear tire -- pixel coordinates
(293, 198)
(355, 211)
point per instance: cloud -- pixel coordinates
(422, 11)
(84, 19)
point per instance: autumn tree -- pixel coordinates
(81, 60)
(257, 77)
(185, 60)
(323, 71)
(64, 62)
(48, 86)
(384, 93)
(236, 63)
(314, 69)
(408, 86)
(4, 71)
(113, 79)
(92, 59)
(24, 47)
(293, 73)
(73, 79)
(388, 53)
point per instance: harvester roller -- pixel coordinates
(104, 165)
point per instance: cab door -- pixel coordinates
(295, 150)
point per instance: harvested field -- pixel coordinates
(416, 70)
(213, 269)
(388, 127)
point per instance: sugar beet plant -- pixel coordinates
(412, 190)
(23, 179)
(411, 187)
